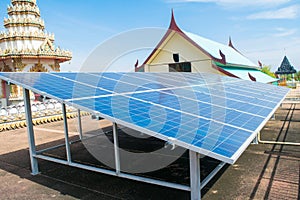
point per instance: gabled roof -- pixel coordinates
(213, 48)
(286, 67)
(216, 51)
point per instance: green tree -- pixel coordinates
(267, 70)
(297, 76)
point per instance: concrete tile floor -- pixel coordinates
(264, 171)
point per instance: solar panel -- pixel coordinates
(213, 115)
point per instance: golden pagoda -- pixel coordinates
(25, 46)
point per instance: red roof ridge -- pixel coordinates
(173, 24)
(231, 45)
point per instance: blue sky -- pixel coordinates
(264, 30)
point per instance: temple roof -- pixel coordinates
(23, 1)
(218, 52)
(213, 48)
(286, 67)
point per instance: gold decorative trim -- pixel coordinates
(5, 68)
(23, 8)
(38, 68)
(23, 21)
(23, 35)
(23, 1)
(19, 65)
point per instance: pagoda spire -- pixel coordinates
(25, 37)
(286, 67)
(25, 46)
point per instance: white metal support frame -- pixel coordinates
(116, 148)
(212, 174)
(255, 141)
(68, 148)
(195, 182)
(30, 132)
(259, 140)
(79, 125)
(195, 176)
(275, 142)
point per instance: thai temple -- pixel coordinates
(286, 67)
(182, 51)
(25, 46)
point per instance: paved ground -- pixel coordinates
(264, 171)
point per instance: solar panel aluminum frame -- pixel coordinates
(255, 134)
(194, 188)
(200, 150)
(194, 151)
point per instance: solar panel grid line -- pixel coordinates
(188, 86)
(96, 87)
(238, 91)
(200, 76)
(175, 79)
(161, 80)
(115, 93)
(233, 81)
(78, 82)
(218, 106)
(255, 87)
(80, 86)
(259, 128)
(250, 99)
(254, 91)
(227, 148)
(66, 79)
(159, 136)
(9, 80)
(170, 86)
(197, 116)
(215, 94)
(129, 93)
(247, 92)
(180, 80)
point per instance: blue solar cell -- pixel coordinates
(212, 113)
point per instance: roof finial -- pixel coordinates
(230, 42)
(173, 24)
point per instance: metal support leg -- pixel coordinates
(255, 141)
(68, 149)
(273, 117)
(30, 132)
(116, 148)
(79, 125)
(195, 176)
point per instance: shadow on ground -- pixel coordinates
(264, 171)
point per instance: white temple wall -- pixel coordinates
(187, 52)
(24, 29)
(3, 45)
(21, 44)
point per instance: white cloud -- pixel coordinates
(270, 50)
(290, 12)
(238, 3)
(283, 32)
